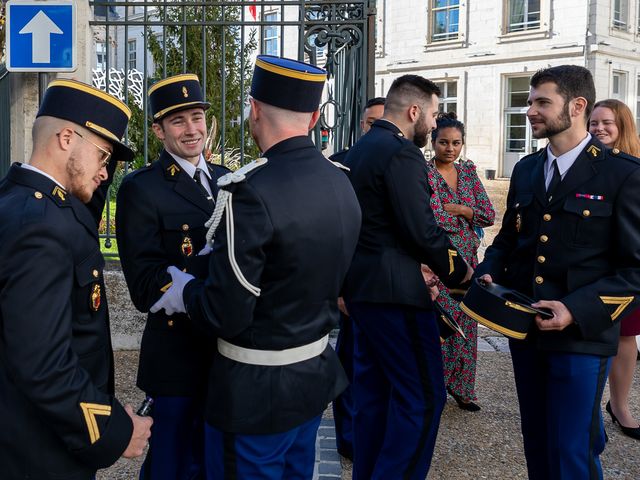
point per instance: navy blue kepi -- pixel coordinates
(287, 83)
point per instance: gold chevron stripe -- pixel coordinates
(622, 302)
(452, 253)
(90, 410)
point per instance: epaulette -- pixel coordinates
(137, 171)
(34, 208)
(620, 154)
(339, 165)
(240, 175)
(401, 138)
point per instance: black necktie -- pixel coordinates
(555, 180)
(198, 180)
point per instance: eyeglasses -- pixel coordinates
(106, 154)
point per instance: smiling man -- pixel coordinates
(569, 240)
(160, 220)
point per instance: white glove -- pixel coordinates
(206, 250)
(172, 300)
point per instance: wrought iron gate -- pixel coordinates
(139, 42)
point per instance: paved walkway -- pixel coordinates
(481, 445)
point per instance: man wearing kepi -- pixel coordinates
(285, 241)
(398, 384)
(57, 410)
(160, 221)
(569, 240)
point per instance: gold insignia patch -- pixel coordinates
(622, 302)
(452, 253)
(518, 222)
(185, 92)
(593, 150)
(173, 169)
(60, 193)
(187, 246)
(96, 297)
(90, 410)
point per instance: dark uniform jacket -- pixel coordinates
(160, 221)
(58, 416)
(399, 231)
(296, 223)
(581, 248)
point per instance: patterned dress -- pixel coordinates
(459, 354)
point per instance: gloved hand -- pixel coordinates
(206, 250)
(172, 300)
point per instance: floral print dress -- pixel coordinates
(459, 354)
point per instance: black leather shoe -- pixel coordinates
(468, 406)
(633, 432)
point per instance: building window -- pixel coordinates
(445, 20)
(620, 14)
(619, 86)
(131, 55)
(518, 139)
(271, 35)
(523, 15)
(448, 96)
(101, 56)
(518, 135)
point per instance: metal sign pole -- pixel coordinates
(43, 81)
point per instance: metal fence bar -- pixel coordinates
(330, 33)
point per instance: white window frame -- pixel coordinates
(446, 98)
(455, 39)
(620, 15)
(531, 30)
(448, 9)
(101, 53)
(132, 54)
(527, 25)
(510, 157)
(619, 85)
(267, 41)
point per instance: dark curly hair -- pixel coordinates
(447, 120)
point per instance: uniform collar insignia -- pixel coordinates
(593, 150)
(60, 193)
(173, 169)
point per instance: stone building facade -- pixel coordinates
(482, 53)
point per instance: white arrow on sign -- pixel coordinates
(41, 28)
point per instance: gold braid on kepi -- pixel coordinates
(287, 83)
(90, 108)
(500, 309)
(176, 93)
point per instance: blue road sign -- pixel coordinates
(41, 36)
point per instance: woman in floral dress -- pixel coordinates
(459, 203)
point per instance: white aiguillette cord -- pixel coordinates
(224, 202)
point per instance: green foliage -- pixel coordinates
(136, 140)
(233, 66)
